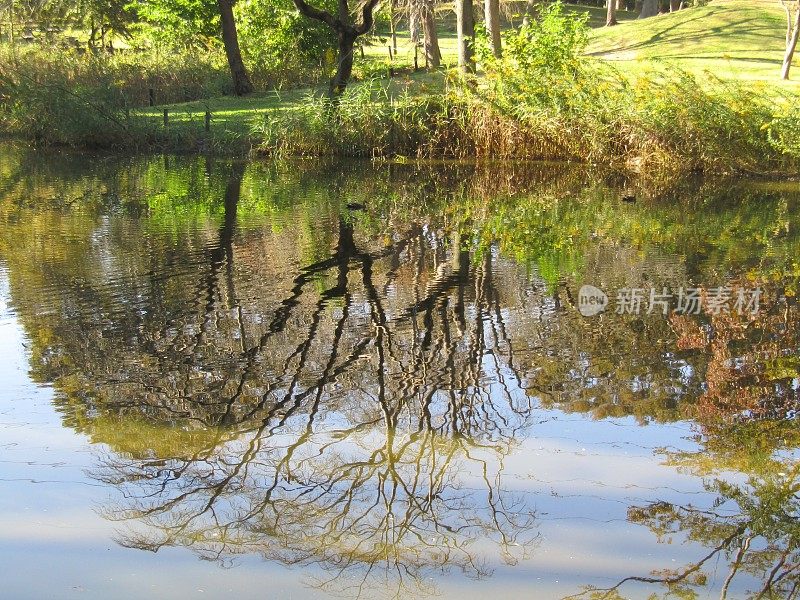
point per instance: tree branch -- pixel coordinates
(315, 13)
(367, 17)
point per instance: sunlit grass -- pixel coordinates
(737, 39)
(233, 119)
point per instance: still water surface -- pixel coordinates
(314, 380)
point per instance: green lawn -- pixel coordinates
(233, 118)
(739, 39)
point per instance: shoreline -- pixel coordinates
(251, 152)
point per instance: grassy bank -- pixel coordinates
(693, 90)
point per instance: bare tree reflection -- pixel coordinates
(360, 423)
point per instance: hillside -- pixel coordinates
(742, 39)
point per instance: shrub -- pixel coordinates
(61, 102)
(368, 121)
(281, 47)
(578, 108)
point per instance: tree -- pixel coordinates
(392, 9)
(466, 34)
(196, 18)
(101, 17)
(649, 9)
(792, 33)
(611, 15)
(422, 20)
(98, 17)
(492, 8)
(346, 32)
(427, 16)
(230, 38)
(531, 12)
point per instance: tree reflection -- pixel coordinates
(751, 531)
(345, 418)
(746, 424)
(343, 389)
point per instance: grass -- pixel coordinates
(736, 39)
(233, 119)
(512, 13)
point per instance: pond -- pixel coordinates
(320, 379)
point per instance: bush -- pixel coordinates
(282, 48)
(367, 121)
(61, 102)
(577, 108)
(542, 100)
(58, 96)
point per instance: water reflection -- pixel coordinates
(274, 373)
(751, 528)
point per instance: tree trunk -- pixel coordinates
(11, 22)
(346, 33)
(433, 55)
(611, 14)
(649, 9)
(392, 28)
(674, 5)
(92, 35)
(414, 19)
(241, 80)
(344, 68)
(621, 5)
(531, 12)
(492, 13)
(791, 46)
(789, 22)
(465, 22)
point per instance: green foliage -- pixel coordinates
(55, 96)
(581, 109)
(551, 44)
(94, 16)
(186, 23)
(278, 40)
(174, 77)
(61, 102)
(545, 99)
(279, 46)
(366, 121)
